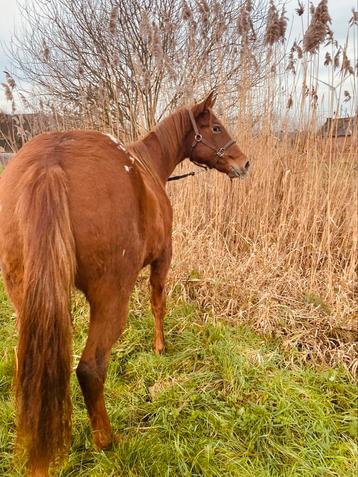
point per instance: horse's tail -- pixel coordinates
(45, 329)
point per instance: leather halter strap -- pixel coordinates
(219, 152)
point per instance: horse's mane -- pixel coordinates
(170, 133)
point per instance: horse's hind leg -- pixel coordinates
(159, 271)
(109, 309)
(13, 285)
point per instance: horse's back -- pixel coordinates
(97, 172)
(113, 215)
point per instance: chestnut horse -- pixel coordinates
(76, 209)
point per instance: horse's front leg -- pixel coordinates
(159, 271)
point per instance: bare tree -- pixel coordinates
(128, 62)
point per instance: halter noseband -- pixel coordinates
(199, 138)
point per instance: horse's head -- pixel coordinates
(211, 145)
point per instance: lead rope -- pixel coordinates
(182, 176)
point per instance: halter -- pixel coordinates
(199, 138)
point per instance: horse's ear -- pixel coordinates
(206, 104)
(209, 101)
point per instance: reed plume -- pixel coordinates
(10, 80)
(346, 67)
(7, 91)
(273, 26)
(282, 24)
(347, 96)
(327, 59)
(113, 20)
(318, 28)
(145, 27)
(300, 9)
(336, 59)
(186, 11)
(45, 51)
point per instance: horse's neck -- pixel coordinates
(164, 148)
(162, 162)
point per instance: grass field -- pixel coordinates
(222, 401)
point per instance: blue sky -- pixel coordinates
(340, 10)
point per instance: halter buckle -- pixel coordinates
(220, 152)
(198, 137)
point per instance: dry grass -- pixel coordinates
(277, 251)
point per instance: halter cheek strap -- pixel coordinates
(199, 138)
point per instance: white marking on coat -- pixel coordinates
(112, 138)
(127, 168)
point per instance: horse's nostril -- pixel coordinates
(247, 165)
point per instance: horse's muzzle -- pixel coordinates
(239, 172)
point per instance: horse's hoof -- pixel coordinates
(159, 349)
(104, 441)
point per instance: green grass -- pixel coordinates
(221, 401)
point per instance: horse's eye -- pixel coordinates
(216, 129)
